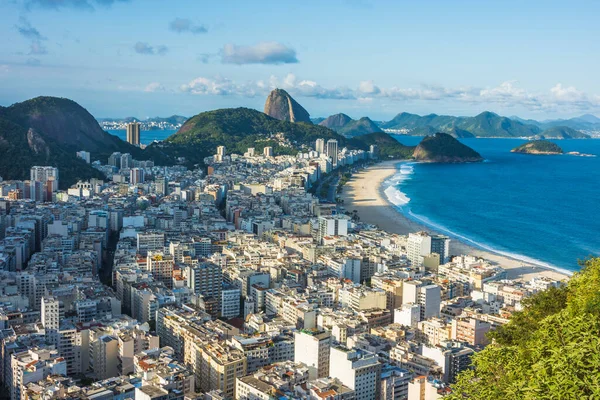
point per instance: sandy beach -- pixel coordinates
(364, 193)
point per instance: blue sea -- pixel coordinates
(146, 137)
(541, 209)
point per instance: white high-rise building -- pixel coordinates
(51, 315)
(268, 151)
(333, 225)
(45, 174)
(408, 315)
(320, 146)
(313, 350)
(417, 247)
(428, 297)
(332, 151)
(357, 369)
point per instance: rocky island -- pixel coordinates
(442, 147)
(542, 147)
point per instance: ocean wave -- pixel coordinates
(525, 259)
(391, 191)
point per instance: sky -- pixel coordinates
(144, 58)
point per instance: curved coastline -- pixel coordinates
(366, 193)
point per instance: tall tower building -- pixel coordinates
(440, 244)
(205, 279)
(313, 349)
(133, 133)
(161, 267)
(320, 146)
(418, 246)
(51, 316)
(44, 175)
(358, 369)
(332, 151)
(126, 161)
(136, 175)
(268, 151)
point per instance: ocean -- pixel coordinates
(540, 209)
(146, 137)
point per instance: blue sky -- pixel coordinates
(118, 58)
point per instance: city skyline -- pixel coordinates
(123, 58)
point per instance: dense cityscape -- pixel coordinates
(316, 200)
(237, 282)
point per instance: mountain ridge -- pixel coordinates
(487, 124)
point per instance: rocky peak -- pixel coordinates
(282, 106)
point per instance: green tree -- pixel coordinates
(550, 350)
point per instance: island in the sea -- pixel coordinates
(543, 147)
(442, 147)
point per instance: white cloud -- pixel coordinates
(154, 87)
(368, 87)
(260, 53)
(220, 86)
(507, 94)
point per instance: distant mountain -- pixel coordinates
(335, 121)
(359, 127)
(586, 122)
(442, 147)
(589, 118)
(543, 147)
(317, 120)
(486, 124)
(563, 132)
(280, 105)
(344, 125)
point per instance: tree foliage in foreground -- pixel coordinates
(550, 350)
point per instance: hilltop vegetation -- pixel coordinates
(240, 128)
(547, 351)
(442, 147)
(538, 147)
(23, 148)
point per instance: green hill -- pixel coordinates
(23, 148)
(359, 127)
(335, 121)
(549, 350)
(563, 132)
(64, 121)
(442, 147)
(538, 147)
(486, 124)
(387, 145)
(50, 130)
(240, 128)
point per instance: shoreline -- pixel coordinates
(364, 192)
